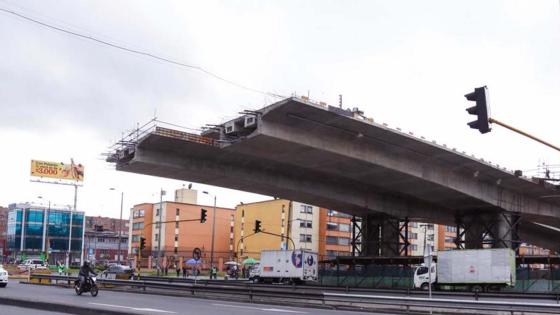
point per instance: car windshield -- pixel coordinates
(422, 270)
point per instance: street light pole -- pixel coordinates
(161, 193)
(119, 253)
(120, 227)
(213, 231)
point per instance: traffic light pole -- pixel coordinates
(497, 122)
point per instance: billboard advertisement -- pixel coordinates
(58, 170)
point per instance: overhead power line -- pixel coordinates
(139, 52)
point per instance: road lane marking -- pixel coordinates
(282, 310)
(279, 310)
(155, 310)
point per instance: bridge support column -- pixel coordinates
(487, 230)
(384, 236)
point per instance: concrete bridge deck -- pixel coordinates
(334, 158)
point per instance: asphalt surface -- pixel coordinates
(12, 310)
(149, 304)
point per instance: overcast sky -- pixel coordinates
(406, 63)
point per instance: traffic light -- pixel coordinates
(257, 226)
(480, 96)
(202, 215)
(142, 243)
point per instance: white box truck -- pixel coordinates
(291, 266)
(469, 269)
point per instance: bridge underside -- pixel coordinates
(305, 153)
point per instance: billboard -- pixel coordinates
(58, 170)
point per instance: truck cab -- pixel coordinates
(422, 277)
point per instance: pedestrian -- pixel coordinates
(178, 269)
(166, 269)
(184, 270)
(214, 273)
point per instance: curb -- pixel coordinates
(61, 308)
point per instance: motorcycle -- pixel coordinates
(90, 286)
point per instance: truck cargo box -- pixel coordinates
(477, 266)
(288, 264)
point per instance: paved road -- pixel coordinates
(152, 304)
(12, 310)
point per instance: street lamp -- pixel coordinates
(120, 225)
(158, 262)
(213, 230)
(46, 243)
(428, 260)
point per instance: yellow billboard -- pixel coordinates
(58, 170)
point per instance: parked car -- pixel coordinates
(120, 272)
(3, 277)
(32, 264)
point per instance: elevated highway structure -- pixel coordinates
(338, 159)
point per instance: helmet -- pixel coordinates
(86, 263)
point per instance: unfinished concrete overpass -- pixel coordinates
(338, 159)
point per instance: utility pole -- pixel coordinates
(120, 227)
(70, 235)
(213, 234)
(213, 230)
(158, 263)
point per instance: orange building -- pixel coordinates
(446, 237)
(182, 232)
(335, 234)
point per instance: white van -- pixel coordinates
(32, 264)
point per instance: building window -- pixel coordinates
(414, 247)
(413, 236)
(451, 229)
(306, 224)
(175, 250)
(305, 238)
(176, 225)
(335, 240)
(138, 225)
(177, 211)
(156, 237)
(176, 237)
(413, 224)
(157, 212)
(306, 209)
(333, 226)
(449, 239)
(101, 240)
(344, 227)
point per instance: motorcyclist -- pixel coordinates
(85, 271)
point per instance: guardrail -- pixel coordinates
(279, 295)
(553, 296)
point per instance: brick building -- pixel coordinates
(335, 234)
(181, 231)
(108, 224)
(103, 245)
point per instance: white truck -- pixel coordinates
(288, 266)
(469, 269)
